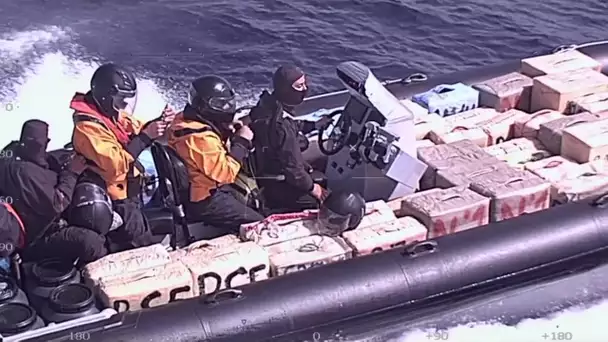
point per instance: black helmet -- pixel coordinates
(91, 208)
(114, 89)
(341, 211)
(213, 98)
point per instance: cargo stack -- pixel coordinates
(297, 242)
(537, 136)
(151, 276)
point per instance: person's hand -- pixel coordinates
(77, 164)
(323, 122)
(155, 129)
(245, 132)
(319, 192)
(168, 114)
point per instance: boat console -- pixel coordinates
(372, 147)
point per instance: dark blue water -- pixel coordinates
(174, 41)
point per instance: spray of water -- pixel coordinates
(576, 324)
(46, 87)
(48, 81)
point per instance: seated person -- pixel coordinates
(111, 140)
(278, 144)
(39, 196)
(201, 135)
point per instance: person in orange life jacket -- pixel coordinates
(200, 135)
(111, 140)
(39, 195)
(279, 142)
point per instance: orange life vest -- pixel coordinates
(82, 107)
(121, 129)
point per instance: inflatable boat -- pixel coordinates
(508, 267)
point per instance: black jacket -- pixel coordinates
(9, 232)
(39, 195)
(278, 143)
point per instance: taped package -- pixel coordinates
(384, 236)
(519, 159)
(501, 127)
(206, 246)
(514, 145)
(461, 175)
(281, 227)
(307, 252)
(517, 152)
(125, 262)
(425, 124)
(592, 103)
(588, 186)
(556, 91)
(147, 288)
(377, 212)
(447, 211)
(585, 142)
(513, 192)
(446, 156)
(566, 61)
(458, 133)
(464, 126)
(229, 267)
(470, 117)
(528, 126)
(506, 92)
(550, 133)
(555, 168)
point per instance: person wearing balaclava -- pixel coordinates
(213, 146)
(36, 196)
(279, 142)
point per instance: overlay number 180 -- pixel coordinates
(80, 336)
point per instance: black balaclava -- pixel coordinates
(282, 82)
(34, 141)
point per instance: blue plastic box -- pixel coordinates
(448, 99)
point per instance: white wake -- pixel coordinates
(576, 324)
(44, 89)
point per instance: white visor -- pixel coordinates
(125, 104)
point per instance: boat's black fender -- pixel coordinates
(370, 285)
(580, 282)
(403, 90)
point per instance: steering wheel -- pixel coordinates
(338, 134)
